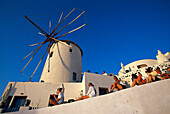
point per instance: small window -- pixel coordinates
(127, 71)
(74, 76)
(17, 102)
(68, 43)
(70, 50)
(42, 81)
(27, 102)
(103, 90)
(141, 66)
(51, 54)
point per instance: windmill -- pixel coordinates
(51, 39)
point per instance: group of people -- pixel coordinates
(60, 99)
(150, 75)
(138, 79)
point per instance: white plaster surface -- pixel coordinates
(98, 80)
(39, 93)
(62, 64)
(152, 98)
(133, 65)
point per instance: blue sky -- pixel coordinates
(117, 31)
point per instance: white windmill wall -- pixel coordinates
(63, 63)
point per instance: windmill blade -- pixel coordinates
(39, 63)
(62, 21)
(49, 27)
(31, 58)
(36, 26)
(41, 33)
(71, 31)
(61, 42)
(31, 52)
(60, 18)
(25, 75)
(35, 44)
(69, 23)
(56, 40)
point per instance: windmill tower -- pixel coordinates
(63, 63)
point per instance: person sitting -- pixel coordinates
(168, 72)
(152, 74)
(161, 75)
(58, 100)
(91, 93)
(104, 73)
(145, 76)
(137, 80)
(118, 84)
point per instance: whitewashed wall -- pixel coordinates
(98, 81)
(62, 64)
(152, 98)
(39, 93)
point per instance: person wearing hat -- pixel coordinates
(91, 92)
(59, 99)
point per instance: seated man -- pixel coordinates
(58, 100)
(118, 84)
(91, 92)
(137, 80)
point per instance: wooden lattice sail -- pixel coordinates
(51, 38)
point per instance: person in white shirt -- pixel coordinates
(91, 92)
(59, 99)
(104, 73)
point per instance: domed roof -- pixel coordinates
(136, 64)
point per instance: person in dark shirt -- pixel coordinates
(118, 84)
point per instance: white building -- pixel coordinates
(65, 72)
(163, 61)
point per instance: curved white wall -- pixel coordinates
(133, 66)
(63, 63)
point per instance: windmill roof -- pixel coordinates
(74, 44)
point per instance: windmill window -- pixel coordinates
(70, 50)
(42, 81)
(74, 76)
(51, 54)
(68, 43)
